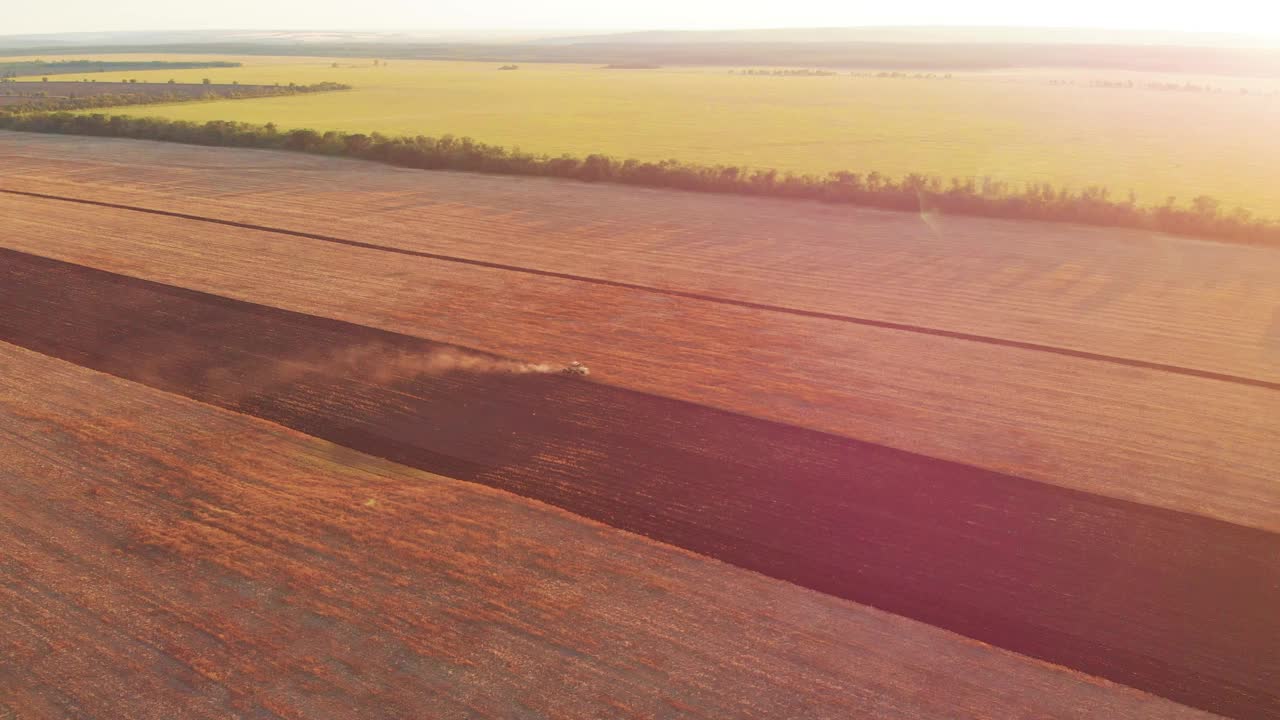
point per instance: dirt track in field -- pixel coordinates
(1125, 432)
(166, 559)
(1159, 299)
(1124, 591)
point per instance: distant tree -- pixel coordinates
(336, 64)
(172, 81)
(357, 144)
(207, 81)
(44, 79)
(1206, 206)
(133, 81)
(302, 140)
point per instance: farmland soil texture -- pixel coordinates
(885, 528)
(288, 436)
(1094, 425)
(167, 559)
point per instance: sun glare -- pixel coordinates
(665, 359)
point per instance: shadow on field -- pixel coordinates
(1176, 604)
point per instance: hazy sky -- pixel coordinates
(1245, 16)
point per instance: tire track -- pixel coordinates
(684, 294)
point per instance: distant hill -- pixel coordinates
(888, 34)
(899, 48)
(895, 34)
(79, 40)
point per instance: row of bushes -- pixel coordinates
(17, 68)
(785, 73)
(1186, 87)
(1204, 217)
(149, 95)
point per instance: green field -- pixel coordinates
(1013, 126)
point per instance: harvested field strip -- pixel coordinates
(1160, 439)
(1166, 300)
(990, 556)
(937, 332)
(167, 559)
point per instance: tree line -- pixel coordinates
(785, 73)
(18, 68)
(1185, 87)
(159, 93)
(1203, 217)
(890, 74)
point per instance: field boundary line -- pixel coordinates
(686, 294)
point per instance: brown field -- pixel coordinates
(1061, 442)
(167, 559)
(707, 481)
(1124, 293)
(1084, 424)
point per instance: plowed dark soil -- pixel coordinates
(1176, 604)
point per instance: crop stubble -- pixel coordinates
(1140, 435)
(1127, 293)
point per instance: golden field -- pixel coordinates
(1013, 126)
